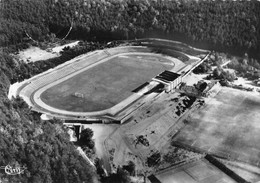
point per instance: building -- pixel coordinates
(170, 79)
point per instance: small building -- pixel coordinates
(170, 79)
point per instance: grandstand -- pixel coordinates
(170, 79)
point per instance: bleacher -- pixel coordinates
(167, 76)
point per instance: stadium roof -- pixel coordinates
(167, 76)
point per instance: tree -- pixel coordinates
(100, 169)
(217, 72)
(86, 138)
(141, 139)
(154, 159)
(121, 176)
(130, 168)
(202, 68)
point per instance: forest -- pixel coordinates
(44, 147)
(220, 25)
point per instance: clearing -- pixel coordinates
(34, 54)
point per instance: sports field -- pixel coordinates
(196, 172)
(228, 125)
(106, 84)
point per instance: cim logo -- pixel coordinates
(13, 170)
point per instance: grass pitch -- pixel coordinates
(196, 172)
(106, 84)
(227, 126)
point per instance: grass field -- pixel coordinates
(196, 172)
(106, 84)
(228, 125)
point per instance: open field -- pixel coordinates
(227, 126)
(200, 171)
(105, 84)
(34, 54)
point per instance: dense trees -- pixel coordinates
(42, 147)
(221, 24)
(221, 74)
(246, 67)
(18, 18)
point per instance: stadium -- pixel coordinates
(108, 85)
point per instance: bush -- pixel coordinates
(154, 159)
(86, 138)
(130, 168)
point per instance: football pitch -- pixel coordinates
(196, 172)
(228, 126)
(106, 84)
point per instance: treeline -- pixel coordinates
(246, 67)
(218, 24)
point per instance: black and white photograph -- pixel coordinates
(129, 91)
